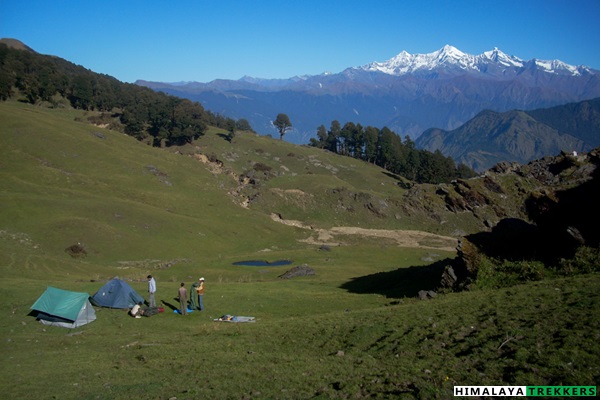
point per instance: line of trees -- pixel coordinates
(158, 118)
(386, 149)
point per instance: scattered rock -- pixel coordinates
(426, 294)
(492, 185)
(162, 176)
(576, 234)
(504, 167)
(300, 270)
(152, 264)
(378, 209)
(76, 251)
(449, 278)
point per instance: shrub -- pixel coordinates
(493, 273)
(261, 167)
(586, 260)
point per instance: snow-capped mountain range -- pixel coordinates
(451, 57)
(408, 93)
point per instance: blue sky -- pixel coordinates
(183, 40)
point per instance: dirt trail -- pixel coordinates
(403, 238)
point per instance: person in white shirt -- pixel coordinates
(151, 291)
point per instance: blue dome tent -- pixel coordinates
(116, 293)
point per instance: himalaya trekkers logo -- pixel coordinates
(525, 391)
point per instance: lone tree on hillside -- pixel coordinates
(283, 124)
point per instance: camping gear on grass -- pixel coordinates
(136, 311)
(234, 318)
(57, 307)
(116, 293)
(139, 311)
(150, 311)
(177, 311)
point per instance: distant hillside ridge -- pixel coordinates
(155, 118)
(519, 136)
(408, 93)
(16, 44)
(578, 119)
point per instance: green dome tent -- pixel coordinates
(57, 307)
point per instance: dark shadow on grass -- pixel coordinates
(400, 180)
(403, 282)
(392, 175)
(227, 136)
(171, 306)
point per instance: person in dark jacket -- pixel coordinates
(194, 296)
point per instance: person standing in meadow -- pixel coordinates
(194, 295)
(151, 291)
(183, 299)
(200, 293)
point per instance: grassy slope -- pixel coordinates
(321, 188)
(335, 334)
(121, 199)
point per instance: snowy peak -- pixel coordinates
(497, 56)
(449, 54)
(556, 66)
(451, 59)
(405, 63)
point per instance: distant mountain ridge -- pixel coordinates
(518, 136)
(493, 62)
(408, 93)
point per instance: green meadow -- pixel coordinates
(355, 329)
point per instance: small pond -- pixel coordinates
(263, 263)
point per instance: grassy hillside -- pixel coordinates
(352, 330)
(68, 183)
(320, 188)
